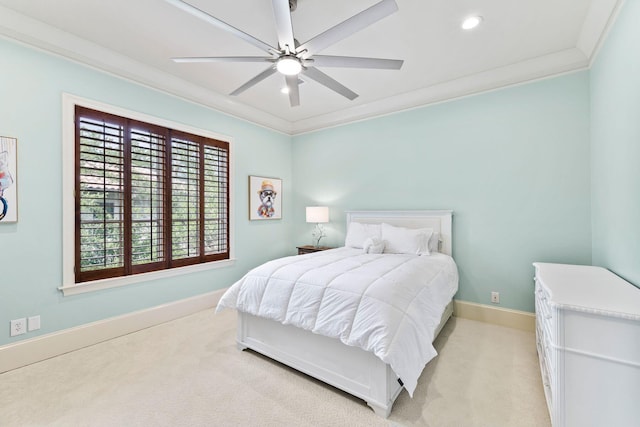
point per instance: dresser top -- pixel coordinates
(589, 288)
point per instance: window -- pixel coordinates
(147, 197)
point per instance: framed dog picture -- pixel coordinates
(265, 198)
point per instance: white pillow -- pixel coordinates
(373, 245)
(400, 240)
(434, 243)
(359, 232)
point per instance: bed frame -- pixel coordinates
(348, 368)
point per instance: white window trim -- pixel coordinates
(69, 287)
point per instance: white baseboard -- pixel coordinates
(36, 349)
(43, 347)
(495, 315)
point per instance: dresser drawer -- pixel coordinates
(550, 356)
(546, 350)
(544, 314)
(547, 376)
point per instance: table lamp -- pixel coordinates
(319, 215)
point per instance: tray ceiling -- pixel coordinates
(516, 42)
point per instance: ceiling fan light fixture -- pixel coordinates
(289, 65)
(471, 22)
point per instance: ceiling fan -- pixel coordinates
(291, 58)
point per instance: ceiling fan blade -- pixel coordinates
(294, 90)
(198, 13)
(257, 79)
(356, 62)
(350, 26)
(283, 24)
(223, 59)
(323, 79)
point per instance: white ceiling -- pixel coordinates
(517, 41)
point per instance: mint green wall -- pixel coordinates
(31, 85)
(615, 128)
(513, 165)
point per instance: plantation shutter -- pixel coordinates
(199, 199)
(100, 157)
(216, 205)
(147, 197)
(185, 198)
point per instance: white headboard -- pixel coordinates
(438, 220)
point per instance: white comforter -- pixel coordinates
(384, 303)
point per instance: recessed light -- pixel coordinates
(471, 22)
(285, 90)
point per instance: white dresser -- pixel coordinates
(588, 337)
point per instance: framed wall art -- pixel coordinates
(265, 198)
(8, 179)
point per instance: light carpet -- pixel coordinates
(189, 373)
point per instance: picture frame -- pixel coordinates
(8, 179)
(265, 198)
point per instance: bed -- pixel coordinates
(325, 313)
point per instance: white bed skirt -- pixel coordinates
(348, 368)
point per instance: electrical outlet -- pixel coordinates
(33, 323)
(18, 327)
(495, 297)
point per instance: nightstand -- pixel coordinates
(307, 249)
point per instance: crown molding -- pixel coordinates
(45, 37)
(53, 40)
(522, 72)
(600, 18)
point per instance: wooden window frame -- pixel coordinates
(69, 285)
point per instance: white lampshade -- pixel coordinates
(318, 214)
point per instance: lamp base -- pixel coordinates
(318, 233)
